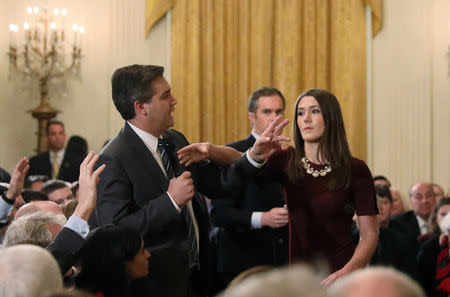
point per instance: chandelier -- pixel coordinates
(46, 53)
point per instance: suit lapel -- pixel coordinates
(146, 160)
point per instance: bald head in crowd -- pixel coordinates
(39, 206)
(28, 271)
(421, 199)
(375, 282)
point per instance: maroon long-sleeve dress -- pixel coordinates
(320, 220)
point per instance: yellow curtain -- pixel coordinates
(222, 50)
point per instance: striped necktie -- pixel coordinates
(193, 248)
(165, 150)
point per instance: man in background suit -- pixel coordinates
(253, 224)
(413, 223)
(145, 190)
(56, 163)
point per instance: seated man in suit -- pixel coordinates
(413, 223)
(253, 224)
(56, 162)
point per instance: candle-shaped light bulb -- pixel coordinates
(56, 11)
(36, 9)
(75, 27)
(26, 26)
(11, 27)
(81, 29)
(16, 28)
(52, 25)
(64, 12)
(29, 10)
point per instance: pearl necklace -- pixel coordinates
(314, 172)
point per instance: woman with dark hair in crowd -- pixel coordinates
(77, 145)
(433, 256)
(323, 184)
(111, 259)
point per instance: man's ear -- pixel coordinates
(251, 117)
(139, 107)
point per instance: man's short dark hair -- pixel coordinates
(383, 191)
(133, 83)
(35, 178)
(30, 195)
(53, 185)
(262, 92)
(53, 122)
(381, 177)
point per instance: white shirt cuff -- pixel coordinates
(78, 225)
(253, 162)
(174, 203)
(256, 220)
(5, 208)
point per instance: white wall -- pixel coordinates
(114, 37)
(411, 93)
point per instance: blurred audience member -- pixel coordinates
(413, 223)
(30, 195)
(398, 205)
(57, 191)
(376, 282)
(381, 180)
(438, 192)
(392, 248)
(77, 145)
(293, 281)
(384, 201)
(56, 163)
(35, 206)
(38, 228)
(111, 258)
(69, 207)
(433, 257)
(35, 182)
(27, 271)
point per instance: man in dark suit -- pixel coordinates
(253, 224)
(145, 187)
(56, 163)
(413, 223)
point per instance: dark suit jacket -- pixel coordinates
(69, 170)
(65, 248)
(406, 224)
(238, 245)
(133, 191)
(427, 263)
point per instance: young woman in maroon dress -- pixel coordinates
(323, 185)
